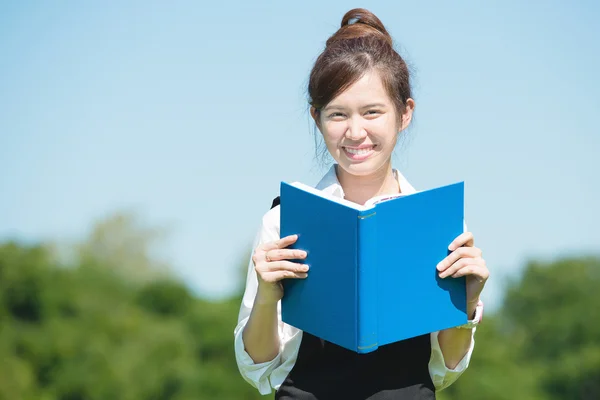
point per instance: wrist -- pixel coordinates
(265, 299)
(472, 308)
(474, 317)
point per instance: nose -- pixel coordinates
(356, 130)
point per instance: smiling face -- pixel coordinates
(361, 125)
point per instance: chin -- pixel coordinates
(364, 168)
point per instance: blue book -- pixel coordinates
(373, 278)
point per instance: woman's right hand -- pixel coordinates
(272, 265)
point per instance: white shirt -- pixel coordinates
(270, 375)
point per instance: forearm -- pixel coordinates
(260, 336)
(454, 342)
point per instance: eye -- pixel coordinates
(336, 115)
(372, 114)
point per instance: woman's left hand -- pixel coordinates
(465, 260)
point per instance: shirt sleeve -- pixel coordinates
(268, 375)
(441, 375)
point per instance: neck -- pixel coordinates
(359, 189)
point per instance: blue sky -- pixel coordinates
(191, 115)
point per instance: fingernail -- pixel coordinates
(439, 267)
(306, 267)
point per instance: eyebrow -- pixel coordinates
(374, 105)
(342, 108)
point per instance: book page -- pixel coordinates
(384, 197)
(336, 199)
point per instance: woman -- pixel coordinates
(361, 102)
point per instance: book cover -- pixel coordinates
(372, 278)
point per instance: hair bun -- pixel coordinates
(360, 22)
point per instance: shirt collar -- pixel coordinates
(330, 184)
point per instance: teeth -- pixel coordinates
(358, 151)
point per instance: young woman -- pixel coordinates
(361, 102)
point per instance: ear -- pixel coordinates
(407, 115)
(315, 115)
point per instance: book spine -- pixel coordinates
(367, 286)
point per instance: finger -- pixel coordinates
(461, 263)
(285, 254)
(276, 276)
(261, 251)
(461, 252)
(464, 239)
(478, 272)
(280, 243)
(285, 266)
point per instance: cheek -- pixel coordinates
(387, 132)
(333, 133)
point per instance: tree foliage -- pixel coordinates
(89, 329)
(544, 343)
(92, 329)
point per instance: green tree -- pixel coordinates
(91, 330)
(123, 243)
(109, 322)
(544, 343)
(554, 307)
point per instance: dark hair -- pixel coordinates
(360, 45)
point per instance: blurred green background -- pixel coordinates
(101, 319)
(181, 110)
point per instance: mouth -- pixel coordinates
(359, 153)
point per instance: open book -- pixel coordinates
(373, 278)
